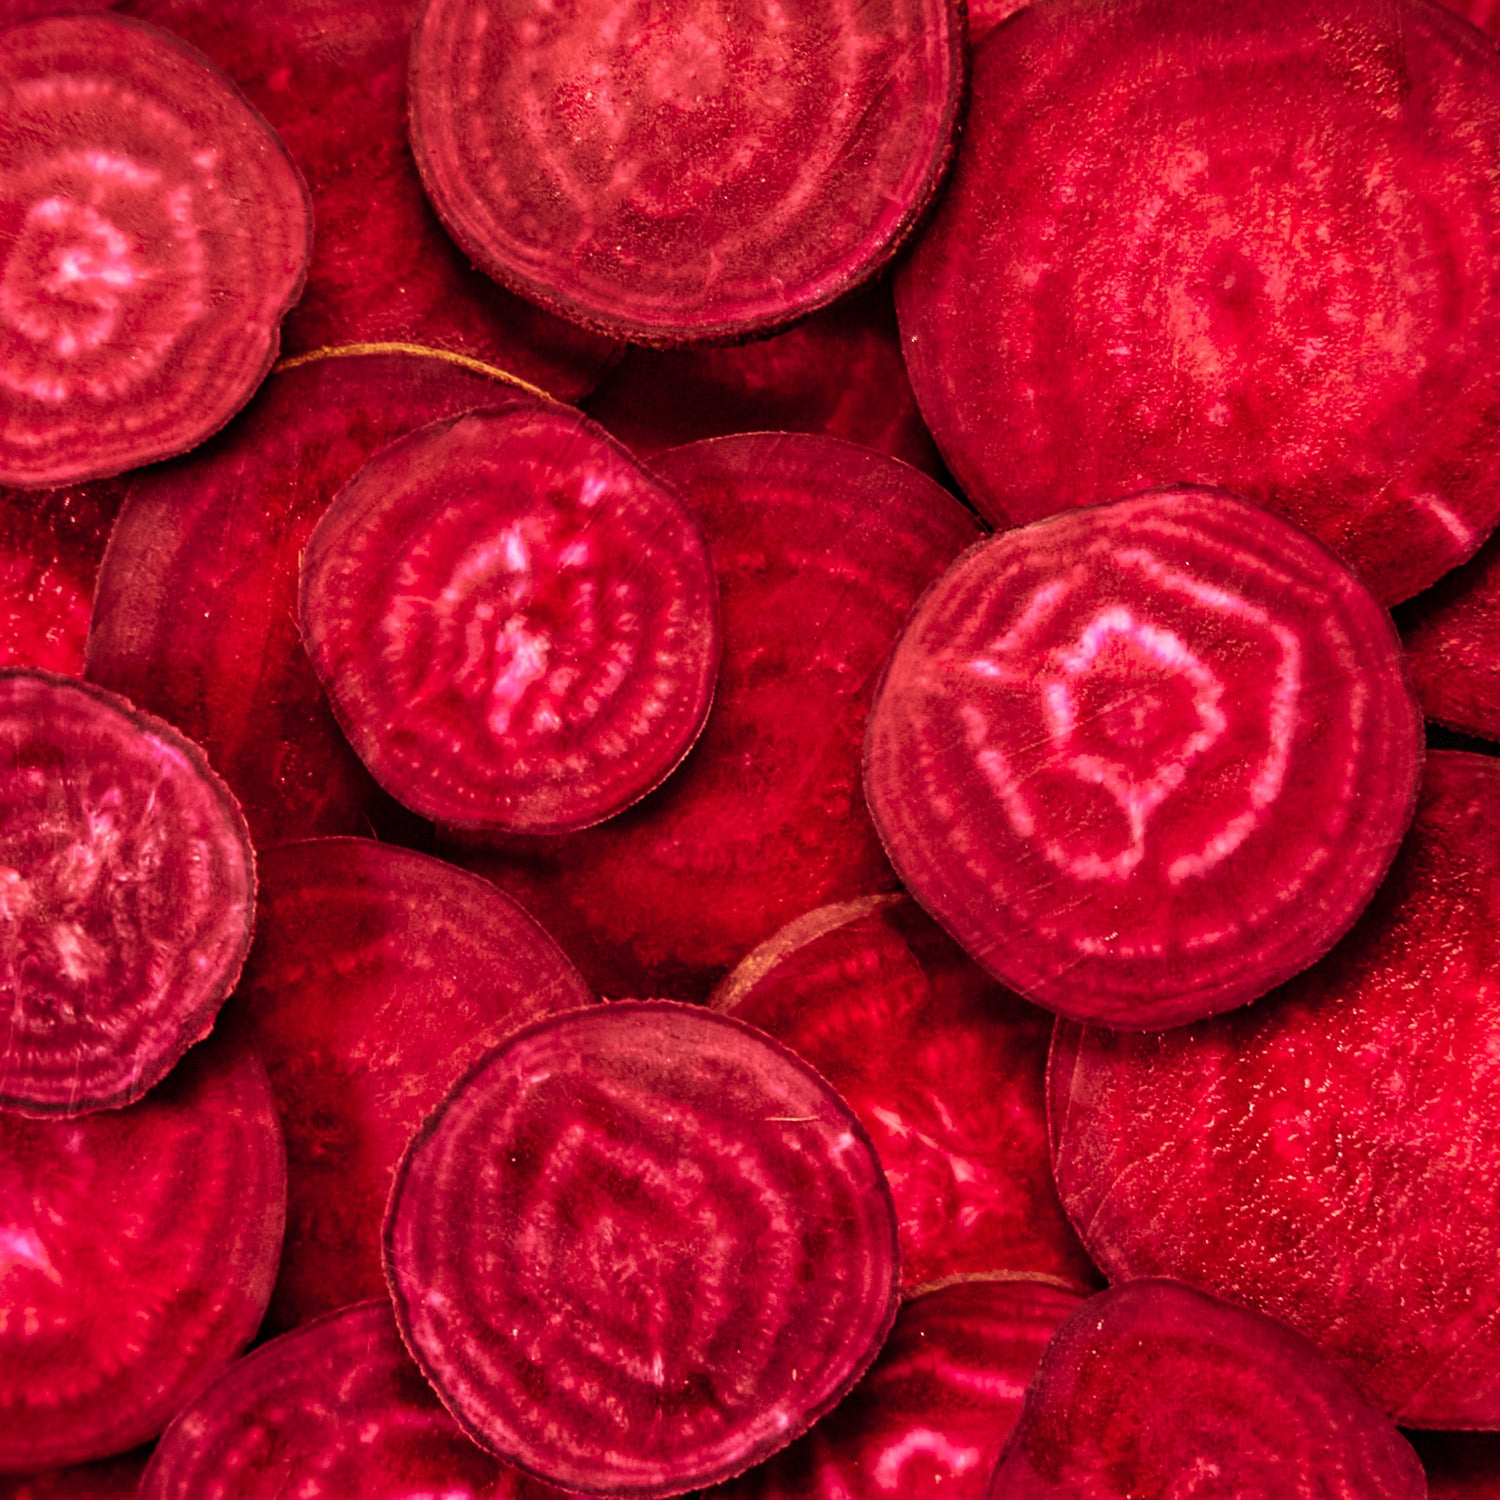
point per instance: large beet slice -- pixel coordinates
(109, 1479)
(1329, 1155)
(1253, 246)
(640, 1247)
(1148, 759)
(140, 1245)
(155, 233)
(677, 175)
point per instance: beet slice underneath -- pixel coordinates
(640, 1247)
(109, 1479)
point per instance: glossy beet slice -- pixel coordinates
(670, 176)
(140, 1245)
(1148, 759)
(129, 891)
(1158, 1389)
(1247, 246)
(641, 1247)
(517, 624)
(109, 1479)
(155, 233)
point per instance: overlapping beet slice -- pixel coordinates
(640, 1247)
(1247, 246)
(109, 1479)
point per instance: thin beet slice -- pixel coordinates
(1145, 760)
(140, 1247)
(670, 176)
(1252, 246)
(128, 887)
(641, 1247)
(1158, 1389)
(155, 231)
(943, 1067)
(517, 625)
(1329, 1155)
(109, 1479)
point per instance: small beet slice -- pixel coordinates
(140, 1247)
(517, 625)
(109, 1479)
(1158, 1389)
(670, 176)
(1148, 759)
(155, 233)
(640, 1247)
(128, 896)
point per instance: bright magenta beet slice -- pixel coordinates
(1148, 759)
(108, 1479)
(517, 625)
(641, 1247)
(670, 176)
(155, 231)
(140, 1249)
(1251, 246)
(128, 896)
(1159, 1389)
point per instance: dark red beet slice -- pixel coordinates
(377, 977)
(109, 1479)
(641, 1247)
(1254, 246)
(1158, 1389)
(1148, 759)
(140, 1246)
(155, 233)
(516, 624)
(670, 176)
(986, 15)
(1329, 1155)
(943, 1067)
(196, 612)
(1460, 1465)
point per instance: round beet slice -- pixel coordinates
(127, 890)
(689, 173)
(154, 233)
(1148, 759)
(640, 1247)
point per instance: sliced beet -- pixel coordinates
(1252, 246)
(109, 1479)
(155, 233)
(140, 1247)
(641, 1247)
(672, 176)
(1159, 1389)
(517, 624)
(1102, 733)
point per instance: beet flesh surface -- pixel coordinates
(1251, 246)
(1148, 759)
(688, 173)
(641, 1247)
(1159, 1389)
(155, 232)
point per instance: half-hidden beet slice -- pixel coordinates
(108, 1479)
(155, 231)
(1159, 1389)
(1148, 759)
(641, 1247)
(675, 175)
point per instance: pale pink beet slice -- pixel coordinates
(698, 173)
(516, 623)
(1329, 1155)
(641, 1247)
(1157, 1388)
(155, 232)
(140, 1248)
(1148, 759)
(1460, 1465)
(108, 1479)
(1251, 246)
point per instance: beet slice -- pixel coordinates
(109, 1479)
(671, 176)
(517, 624)
(1159, 1389)
(640, 1247)
(140, 1248)
(1100, 732)
(1251, 246)
(156, 231)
